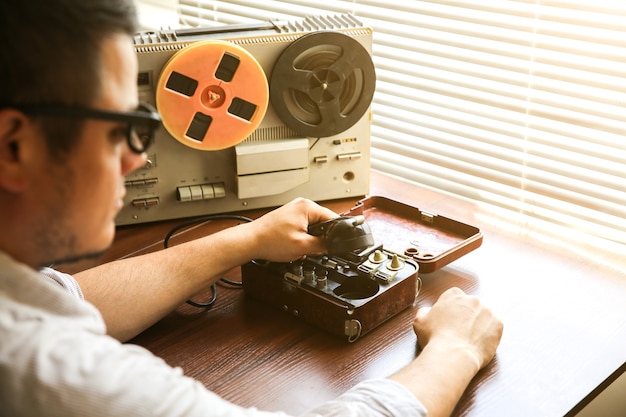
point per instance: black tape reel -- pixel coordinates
(322, 83)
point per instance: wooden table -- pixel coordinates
(564, 315)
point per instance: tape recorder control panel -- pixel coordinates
(358, 285)
(253, 116)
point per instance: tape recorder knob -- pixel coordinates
(322, 280)
(296, 268)
(396, 263)
(377, 257)
(309, 275)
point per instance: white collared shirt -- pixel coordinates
(56, 360)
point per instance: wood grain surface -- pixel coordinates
(564, 316)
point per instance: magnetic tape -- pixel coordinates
(253, 116)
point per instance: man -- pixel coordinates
(70, 130)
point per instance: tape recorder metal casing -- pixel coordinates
(309, 140)
(347, 296)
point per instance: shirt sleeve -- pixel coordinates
(95, 372)
(64, 280)
(78, 375)
(373, 398)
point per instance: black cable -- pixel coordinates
(231, 282)
(200, 220)
(209, 303)
(192, 222)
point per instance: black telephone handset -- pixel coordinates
(343, 234)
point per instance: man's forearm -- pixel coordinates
(134, 293)
(438, 377)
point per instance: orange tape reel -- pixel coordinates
(212, 95)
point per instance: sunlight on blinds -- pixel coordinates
(520, 104)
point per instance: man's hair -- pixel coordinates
(51, 54)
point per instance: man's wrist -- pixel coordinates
(440, 374)
(456, 351)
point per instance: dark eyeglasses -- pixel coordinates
(142, 122)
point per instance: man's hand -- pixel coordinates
(460, 320)
(281, 235)
(458, 336)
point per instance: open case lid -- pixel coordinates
(433, 241)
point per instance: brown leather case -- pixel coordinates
(430, 239)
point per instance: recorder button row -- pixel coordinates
(140, 183)
(201, 192)
(146, 202)
(349, 156)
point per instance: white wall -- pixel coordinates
(157, 14)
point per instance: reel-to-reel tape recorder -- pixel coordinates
(253, 116)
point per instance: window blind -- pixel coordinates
(519, 104)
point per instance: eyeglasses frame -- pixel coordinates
(146, 115)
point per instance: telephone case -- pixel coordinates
(430, 239)
(351, 294)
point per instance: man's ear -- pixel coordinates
(16, 136)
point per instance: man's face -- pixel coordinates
(87, 190)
